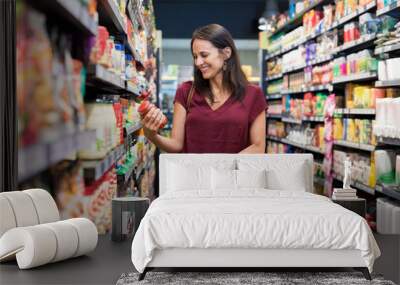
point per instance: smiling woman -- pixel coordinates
(219, 112)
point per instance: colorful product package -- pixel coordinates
(352, 133)
(337, 129)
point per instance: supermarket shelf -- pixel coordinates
(355, 77)
(311, 63)
(315, 149)
(95, 169)
(388, 83)
(389, 141)
(294, 45)
(131, 48)
(98, 72)
(292, 91)
(347, 111)
(36, 158)
(361, 111)
(361, 43)
(131, 129)
(69, 13)
(273, 138)
(294, 68)
(390, 191)
(364, 188)
(274, 116)
(136, 17)
(273, 54)
(273, 97)
(322, 87)
(295, 144)
(131, 88)
(393, 8)
(128, 174)
(291, 120)
(274, 77)
(360, 146)
(388, 48)
(306, 147)
(321, 59)
(315, 34)
(79, 15)
(140, 170)
(319, 119)
(298, 18)
(353, 15)
(138, 58)
(108, 10)
(357, 185)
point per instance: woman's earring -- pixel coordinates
(224, 66)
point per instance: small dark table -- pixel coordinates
(127, 212)
(356, 205)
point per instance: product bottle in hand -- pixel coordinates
(145, 107)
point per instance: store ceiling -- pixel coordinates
(178, 18)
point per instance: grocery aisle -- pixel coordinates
(82, 70)
(330, 80)
(328, 68)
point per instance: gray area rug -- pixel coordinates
(232, 278)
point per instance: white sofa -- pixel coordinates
(167, 237)
(31, 231)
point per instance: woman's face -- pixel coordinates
(207, 58)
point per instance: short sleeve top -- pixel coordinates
(224, 130)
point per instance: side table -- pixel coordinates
(127, 212)
(357, 205)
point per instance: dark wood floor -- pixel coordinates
(110, 259)
(102, 266)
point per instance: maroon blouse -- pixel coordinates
(224, 130)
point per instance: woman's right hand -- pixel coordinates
(151, 122)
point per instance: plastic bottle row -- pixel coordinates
(109, 120)
(389, 69)
(387, 117)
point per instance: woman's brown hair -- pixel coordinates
(233, 78)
